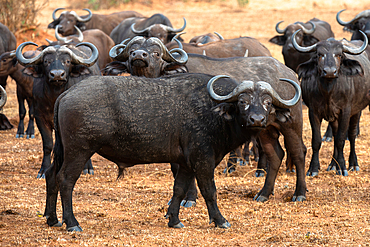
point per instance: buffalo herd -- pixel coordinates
(128, 88)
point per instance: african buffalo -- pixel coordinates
(157, 25)
(8, 42)
(145, 57)
(176, 119)
(205, 38)
(360, 22)
(68, 19)
(311, 32)
(9, 66)
(239, 47)
(94, 36)
(54, 70)
(335, 86)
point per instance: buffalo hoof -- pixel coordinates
(58, 224)
(259, 198)
(187, 204)
(331, 168)
(260, 173)
(41, 175)
(327, 139)
(344, 173)
(312, 174)
(354, 168)
(225, 225)
(178, 225)
(88, 171)
(290, 171)
(30, 136)
(298, 198)
(229, 169)
(74, 229)
(241, 162)
(19, 136)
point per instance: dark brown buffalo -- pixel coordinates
(94, 36)
(360, 22)
(9, 66)
(157, 25)
(173, 119)
(335, 86)
(239, 47)
(54, 70)
(8, 42)
(311, 32)
(145, 57)
(68, 19)
(200, 40)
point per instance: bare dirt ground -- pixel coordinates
(129, 211)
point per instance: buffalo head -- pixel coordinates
(3, 97)
(206, 38)
(57, 63)
(68, 20)
(162, 32)
(329, 59)
(145, 57)
(360, 22)
(255, 102)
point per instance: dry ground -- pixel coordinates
(129, 212)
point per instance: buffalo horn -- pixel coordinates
(65, 39)
(365, 13)
(175, 38)
(87, 62)
(219, 35)
(3, 97)
(276, 100)
(356, 51)
(54, 12)
(167, 55)
(25, 61)
(301, 48)
(281, 31)
(172, 30)
(137, 31)
(80, 19)
(245, 85)
(308, 31)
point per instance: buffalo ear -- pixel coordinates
(351, 67)
(307, 69)
(79, 70)
(226, 110)
(174, 68)
(53, 24)
(33, 71)
(309, 40)
(278, 39)
(115, 68)
(283, 115)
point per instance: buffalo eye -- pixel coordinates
(266, 102)
(156, 54)
(245, 101)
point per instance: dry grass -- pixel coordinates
(129, 212)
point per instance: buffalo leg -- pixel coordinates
(21, 112)
(88, 169)
(334, 164)
(192, 194)
(262, 163)
(328, 136)
(206, 184)
(30, 132)
(316, 144)
(47, 146)
(352, 133)
(182, 183)
(271, 147)
(52, 190)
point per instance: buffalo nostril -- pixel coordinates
(57, 74)
(256, 120)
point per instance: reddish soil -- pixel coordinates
(130, 211)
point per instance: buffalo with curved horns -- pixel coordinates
(335, 84)
(180, 118)
(157, 25)
(311, 32)
(360, 22)
(68, 19)
(145, 57)
(54, 70)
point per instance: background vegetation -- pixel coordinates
(18, 15)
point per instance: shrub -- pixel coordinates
(20, 14)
